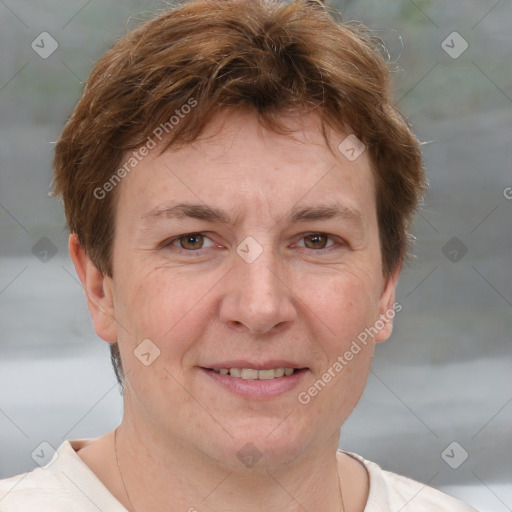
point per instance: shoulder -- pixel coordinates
(389, 492)
(35, 490)
(65, 483)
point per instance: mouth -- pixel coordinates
(259, 383)
(254, 374)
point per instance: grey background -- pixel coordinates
(444, 376)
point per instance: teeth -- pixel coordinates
(248, 374)
(278, 372)
(253, 374)
(235, 372)
(266, 374)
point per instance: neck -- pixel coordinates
(154, 475)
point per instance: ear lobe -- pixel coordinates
(98, 291)
(388, 307)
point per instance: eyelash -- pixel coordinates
(172, 241)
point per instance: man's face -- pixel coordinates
(281, 267)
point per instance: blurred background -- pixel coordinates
(438, 405)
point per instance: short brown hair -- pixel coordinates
(266, 55)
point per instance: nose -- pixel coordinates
(259, 297)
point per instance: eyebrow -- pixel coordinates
(213, 214)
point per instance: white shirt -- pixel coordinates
(66, 484)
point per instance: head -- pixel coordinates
(239, 112)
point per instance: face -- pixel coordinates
(247, 250)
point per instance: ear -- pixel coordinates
(98, 291)
(388, 307)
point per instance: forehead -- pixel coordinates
(239, 166)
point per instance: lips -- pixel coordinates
(248, 370)
(251, 382)
(254, 374)
(244, 363)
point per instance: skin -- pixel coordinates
(303, 299)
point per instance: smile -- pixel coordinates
(253, 374)
(252, 383)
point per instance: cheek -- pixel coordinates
(336, 389)
(347, 305)
(157, 304)
(354, 380)
(166, 307)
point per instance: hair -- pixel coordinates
(267, 56)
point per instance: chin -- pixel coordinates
(265, 442)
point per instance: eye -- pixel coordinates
(316, 241)
(191, 241)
